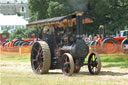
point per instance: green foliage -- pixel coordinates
(38, 9)
(30, 31)
(18, 34)
(22, 33)
(55, 9)
(18, 13)
(111, 13)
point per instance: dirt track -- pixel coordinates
(114, 74)
(26, 67)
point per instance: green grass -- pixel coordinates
(114, 55)
(15, 58)
(115, 60)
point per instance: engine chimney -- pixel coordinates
(79, 24)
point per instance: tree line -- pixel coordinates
(111, 13)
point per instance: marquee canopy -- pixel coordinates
(12, 20)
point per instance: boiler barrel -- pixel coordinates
(80, 49)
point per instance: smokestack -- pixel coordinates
(79, 24)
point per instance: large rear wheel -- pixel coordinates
(67, 64)
(40, 57)
(94, 63)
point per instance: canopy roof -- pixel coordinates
(46, 21)
(68, 20)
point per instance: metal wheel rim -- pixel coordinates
(94, 63)
(67, 64)
(37, 58)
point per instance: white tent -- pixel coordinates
(12, 20)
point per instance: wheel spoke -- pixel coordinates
(41, 65)
(40, 50)
(32, 54)
(35, 49)
(92, 68)
(68, 69)
(95, 58)
(34, 60)
(64, 68)
(41, 54)
(38, 67)
(68, 63)
(66, 59)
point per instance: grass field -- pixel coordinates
(115, 60)
(16, 70)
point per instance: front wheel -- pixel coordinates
(94, 63)
(67, 64)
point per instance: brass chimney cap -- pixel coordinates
(79, 13)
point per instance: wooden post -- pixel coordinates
(20, 52)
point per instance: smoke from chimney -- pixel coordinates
(78, 5)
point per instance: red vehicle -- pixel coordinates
(105, 44)
(3, 37)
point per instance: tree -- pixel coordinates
(30, 31)
(18, 34)
(38, 9)
(22, 33)
(111, 13)
(41, 9)
(55, 9)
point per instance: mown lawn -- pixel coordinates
(115, 60)
(15, 58)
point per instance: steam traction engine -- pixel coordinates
(62, 46)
